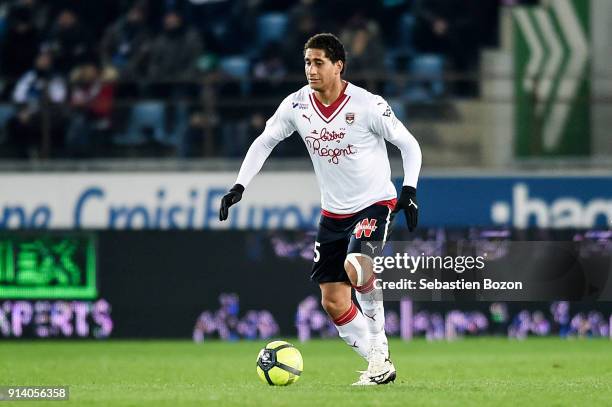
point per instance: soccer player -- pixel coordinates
(344, 128)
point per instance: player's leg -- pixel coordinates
(359, 268)
(366, 242)
(350, 322)
(380, 368)
(328, 271)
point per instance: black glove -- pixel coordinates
(232, 197)
(408, 202)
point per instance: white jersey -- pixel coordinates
(346, 142)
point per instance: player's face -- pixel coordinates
(321, 72)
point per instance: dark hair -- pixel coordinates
(331, 45)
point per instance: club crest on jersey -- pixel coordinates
(365, 227)
(350, 118)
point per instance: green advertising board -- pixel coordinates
(552, 87)
(40, 265)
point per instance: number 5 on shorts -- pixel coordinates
(317, 254)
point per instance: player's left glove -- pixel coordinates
(408, 202)
(232, 197)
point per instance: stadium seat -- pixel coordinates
(180, 125)
(237, 67)
(400, 51)
(405, 32)
(427, 72)
(271, 27)
(6, 111)
(2, 26)
(147, 123)
(397, 105)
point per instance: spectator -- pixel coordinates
(447, 27)
(175, 51)
(97, 15)
(221, 23)
(390, 14)
(39, 94)
(20, 44)
(193, 143)
(269, 73)
(69, 41)
(363, 46)
(173, 66)
(126, 44)
(238, 133)
(157, 48)
(39, 13)
(270, 66)
(319, 10)
(305, 27)
(92, 102)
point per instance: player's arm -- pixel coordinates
(385, 124)
(278, 127)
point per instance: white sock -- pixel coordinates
(372, 306)
(353, 328)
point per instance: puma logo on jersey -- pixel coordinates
(307, 117)
(365, 227)
(354, 345)
(413, 204)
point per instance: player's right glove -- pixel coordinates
(232, 197)
(408, 202)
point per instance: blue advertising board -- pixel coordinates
(555, 202)
(126, 201)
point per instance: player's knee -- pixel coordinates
(358, 268)
(334, 306)
(350, 269)
(328, 303)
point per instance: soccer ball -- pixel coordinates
(279, 364)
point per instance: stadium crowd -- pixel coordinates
(194, 78)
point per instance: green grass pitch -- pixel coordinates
(480, 371)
